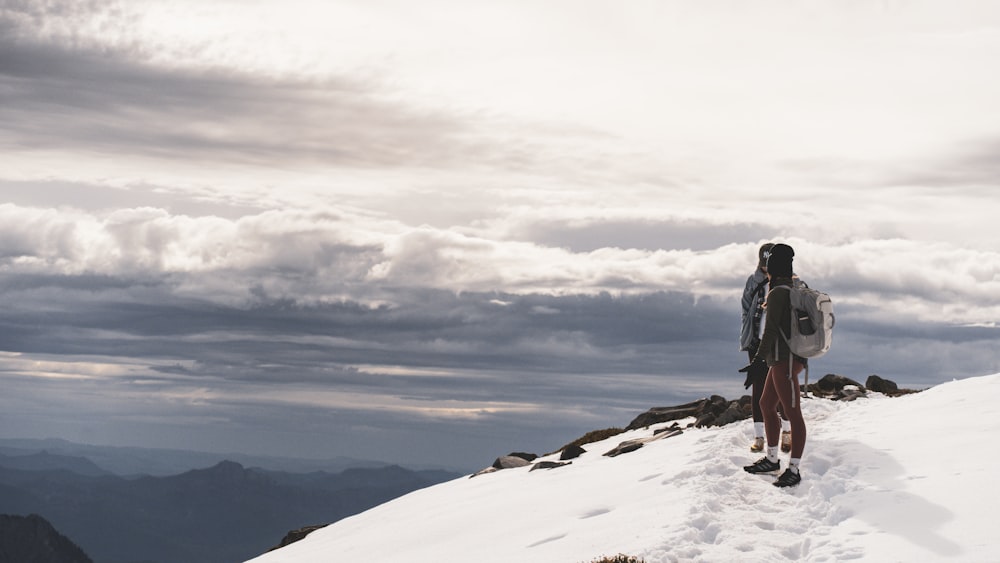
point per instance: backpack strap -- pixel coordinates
(786, 338)
(756, 290)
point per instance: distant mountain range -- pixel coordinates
(226, 513)
(126, 461)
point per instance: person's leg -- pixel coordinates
(757, 375)
(786, 430)
(772, 426)
(769, 409)
(786, 389)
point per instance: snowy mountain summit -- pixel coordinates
(884, 479)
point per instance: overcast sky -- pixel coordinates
(440, 231)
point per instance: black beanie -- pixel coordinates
(779, 263)
(763, 253)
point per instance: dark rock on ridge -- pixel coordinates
(509, 461)
(512, 460)
(632, 445)
(837, 387)
(296, 535)
(713, 411)
(886, 387)
(657, 415)
(550, 464)
(879, 385)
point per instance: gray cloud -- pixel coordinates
(63, 94)
(70, 98)
(541, 366)
(970, 169)
(697, 235)
(97, 198)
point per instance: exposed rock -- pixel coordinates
(590, 437)
(670, 428)
(657, 415)
(626, 447)
(732, 414)
(713, 411)
(511, 461)
(572, 451)
(296, 535)
(549, 465)
(633, 445)
(879, 385)
(490, 469)
(837, 387)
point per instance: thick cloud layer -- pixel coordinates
(305, 311)
(457, 233)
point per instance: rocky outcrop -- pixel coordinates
(549, 465)
(886, 387)
(296, 535)
(712, 411)
(632, 445)
(572, 451)
(509, 461)
(837, 387)
(32, 538)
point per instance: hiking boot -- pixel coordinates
(788, 479)
(786, 441)
(757, 445)
(763, 465)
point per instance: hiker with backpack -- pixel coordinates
(781, 385)
(753, 312)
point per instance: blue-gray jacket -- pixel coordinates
(753, 307)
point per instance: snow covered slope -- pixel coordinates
(904, 479)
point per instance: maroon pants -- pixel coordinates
(758, 375)
(782, 388)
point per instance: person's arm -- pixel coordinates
(749, 296)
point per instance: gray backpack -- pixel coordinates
(812, 321)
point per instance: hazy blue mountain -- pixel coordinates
(45, 461)
(131, 461)
(223, 514)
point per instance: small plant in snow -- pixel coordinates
(620, 558)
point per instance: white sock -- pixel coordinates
(772, 453)
(758, 429)
(786, 426)
(793, 464)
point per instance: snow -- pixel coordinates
(884, 479)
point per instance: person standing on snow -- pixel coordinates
(782, 382)
(753, 311)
